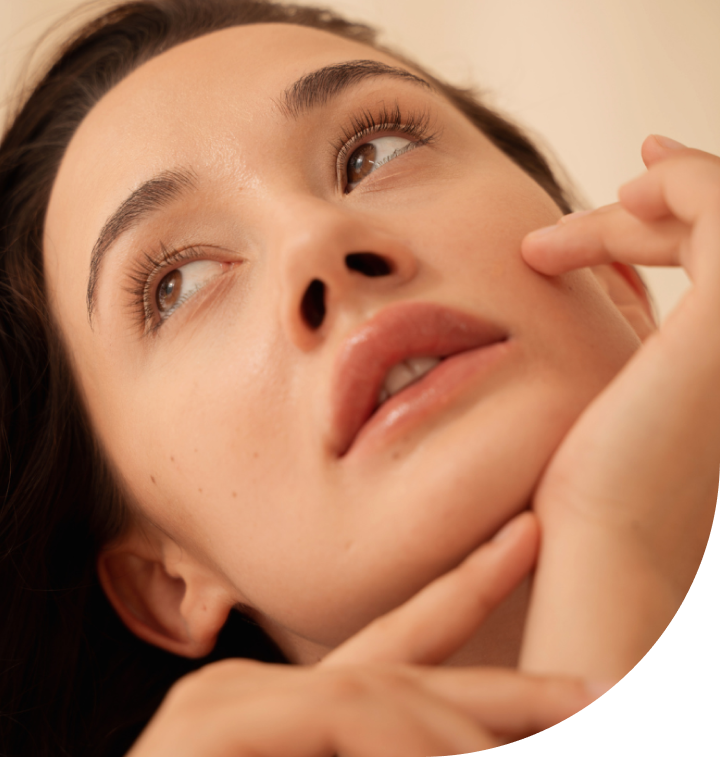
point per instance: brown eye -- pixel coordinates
(168, 292)
(370, 156)
(361, 163)
(180, 285)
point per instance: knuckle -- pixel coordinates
(183, 694)
(349, 687)
(345, 686)
(195, 684)
(217, 671)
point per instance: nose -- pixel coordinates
(336, 263)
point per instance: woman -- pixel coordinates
(271, 343)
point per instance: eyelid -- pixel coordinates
(209, 270)
(406, 146)
(148, 272)
(413, 124)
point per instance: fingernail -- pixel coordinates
(597, 688)
(667, 143)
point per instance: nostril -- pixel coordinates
(368, 264)
(313, 304)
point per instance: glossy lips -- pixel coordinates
(397, 333)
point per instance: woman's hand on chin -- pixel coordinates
(627, 501)
(378, 694)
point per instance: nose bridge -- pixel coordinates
(328, 259)
(315, 235)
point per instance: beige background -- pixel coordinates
(590, 78)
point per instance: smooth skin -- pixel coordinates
(627, 515)
(233, 388)
(376, 694)
(629, 497)
(216, 419)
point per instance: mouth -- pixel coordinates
(406, 363)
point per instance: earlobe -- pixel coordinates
(162, 595)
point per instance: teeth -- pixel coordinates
(421, 365)
(404, 374)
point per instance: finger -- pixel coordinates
(408, 722)
(269, 710)
(656, 148)
(462, 599)
(671, 218)
(355, 721)
(606, 235)
(507, 702)
(686, 184)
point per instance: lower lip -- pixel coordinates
(438, 389)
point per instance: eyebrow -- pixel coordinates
(152, 195)
(318, 87)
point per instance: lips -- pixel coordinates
(397, 333)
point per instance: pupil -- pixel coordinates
(169, 290)
(361, 163)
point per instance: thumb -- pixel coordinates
(440, 618)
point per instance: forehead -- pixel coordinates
(211, 86)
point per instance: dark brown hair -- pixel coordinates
(73, 681)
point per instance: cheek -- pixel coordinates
(213, 450)
(480, 223)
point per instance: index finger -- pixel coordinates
(607, 235)
(507, 702)
(439, 619)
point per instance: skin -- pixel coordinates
(377, 694)
(216, 422)
(629, 497)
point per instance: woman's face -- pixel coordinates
(236, 411)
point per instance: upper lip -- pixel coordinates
(399, 332)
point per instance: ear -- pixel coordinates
(626, 289)
(163, 595)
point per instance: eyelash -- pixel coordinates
(146, 274)
(414, 124)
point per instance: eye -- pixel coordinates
(182, 283)
(371, 155)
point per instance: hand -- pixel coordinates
(627, 501)
(375, 695)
